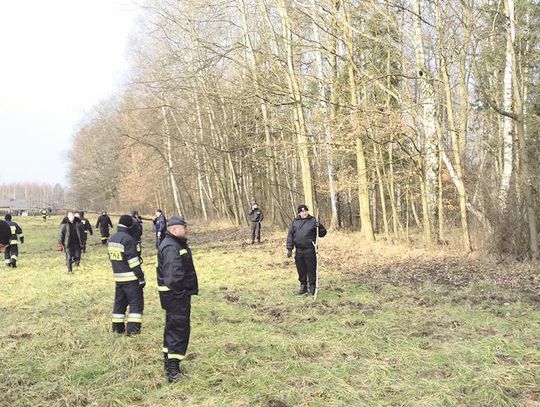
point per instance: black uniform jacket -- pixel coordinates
(303, 233)
(175, 270)
(125, 261)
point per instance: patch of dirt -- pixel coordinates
(22, 335)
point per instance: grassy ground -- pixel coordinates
(392, 326)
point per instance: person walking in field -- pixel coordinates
(11, 252)
(103, 224)
(177, 282)
(129, 279)
(303, 236)
(256, 217)
(160, 226)
(70, 240)
(44, 214)
(86, 229)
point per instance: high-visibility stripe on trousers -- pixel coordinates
(177, 323)
(128, 294)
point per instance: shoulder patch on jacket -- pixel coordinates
(183, 251)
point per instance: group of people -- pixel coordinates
(176, 275)
(176, 279)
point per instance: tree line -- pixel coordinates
(387, 116)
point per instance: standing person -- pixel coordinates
(86, 229)
(177, 282)
(129, 278)
(160, 226)
(12, 250)
(70, 240)
(44, 214)
(103, 224)
(256, 217)
(303, 236)
(137, 230)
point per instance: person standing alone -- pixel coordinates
(303, 236)
(256, 217)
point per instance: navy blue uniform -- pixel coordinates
(177, 282)
(129, 278)
(303, 236)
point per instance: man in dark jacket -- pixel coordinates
(303, 236)
(86, 229)
(256, 217)
(137, 229)
(12, 250)
(103, 224)
(129, 278)
(70, 240)
(177, 282)
(160, 226)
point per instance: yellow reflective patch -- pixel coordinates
(124, 279)
(183, 251)
(176, 356)
(163, 288)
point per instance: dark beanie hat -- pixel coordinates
(5, 233)
(302, 207)
(8, 216)
(126, 220)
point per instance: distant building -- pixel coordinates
(17, 207)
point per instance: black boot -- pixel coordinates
(174, 373)
(302, 290)
(133, 328)
(118, 327)
(311, 290)
(14, 263)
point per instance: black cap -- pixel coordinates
(125, 220)
(302, 207)
(177, 220)
(5, 233)
(7, 216)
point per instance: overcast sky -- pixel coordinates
(57, 59)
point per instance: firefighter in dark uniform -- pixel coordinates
(137, 230)
(103, 224)
(44, 214)
(256, 217)
(5, 235)
(86, 229)
(303, 236)
(160, 226)
(129, 278)
(177, 282)
(70, 240)
(12, 250)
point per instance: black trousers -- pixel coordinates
(104, 235)
(306, 265)
(73, 255)
(177, 323)
(11, 253)
(127, 294)
(83, 244)
(255, 231)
